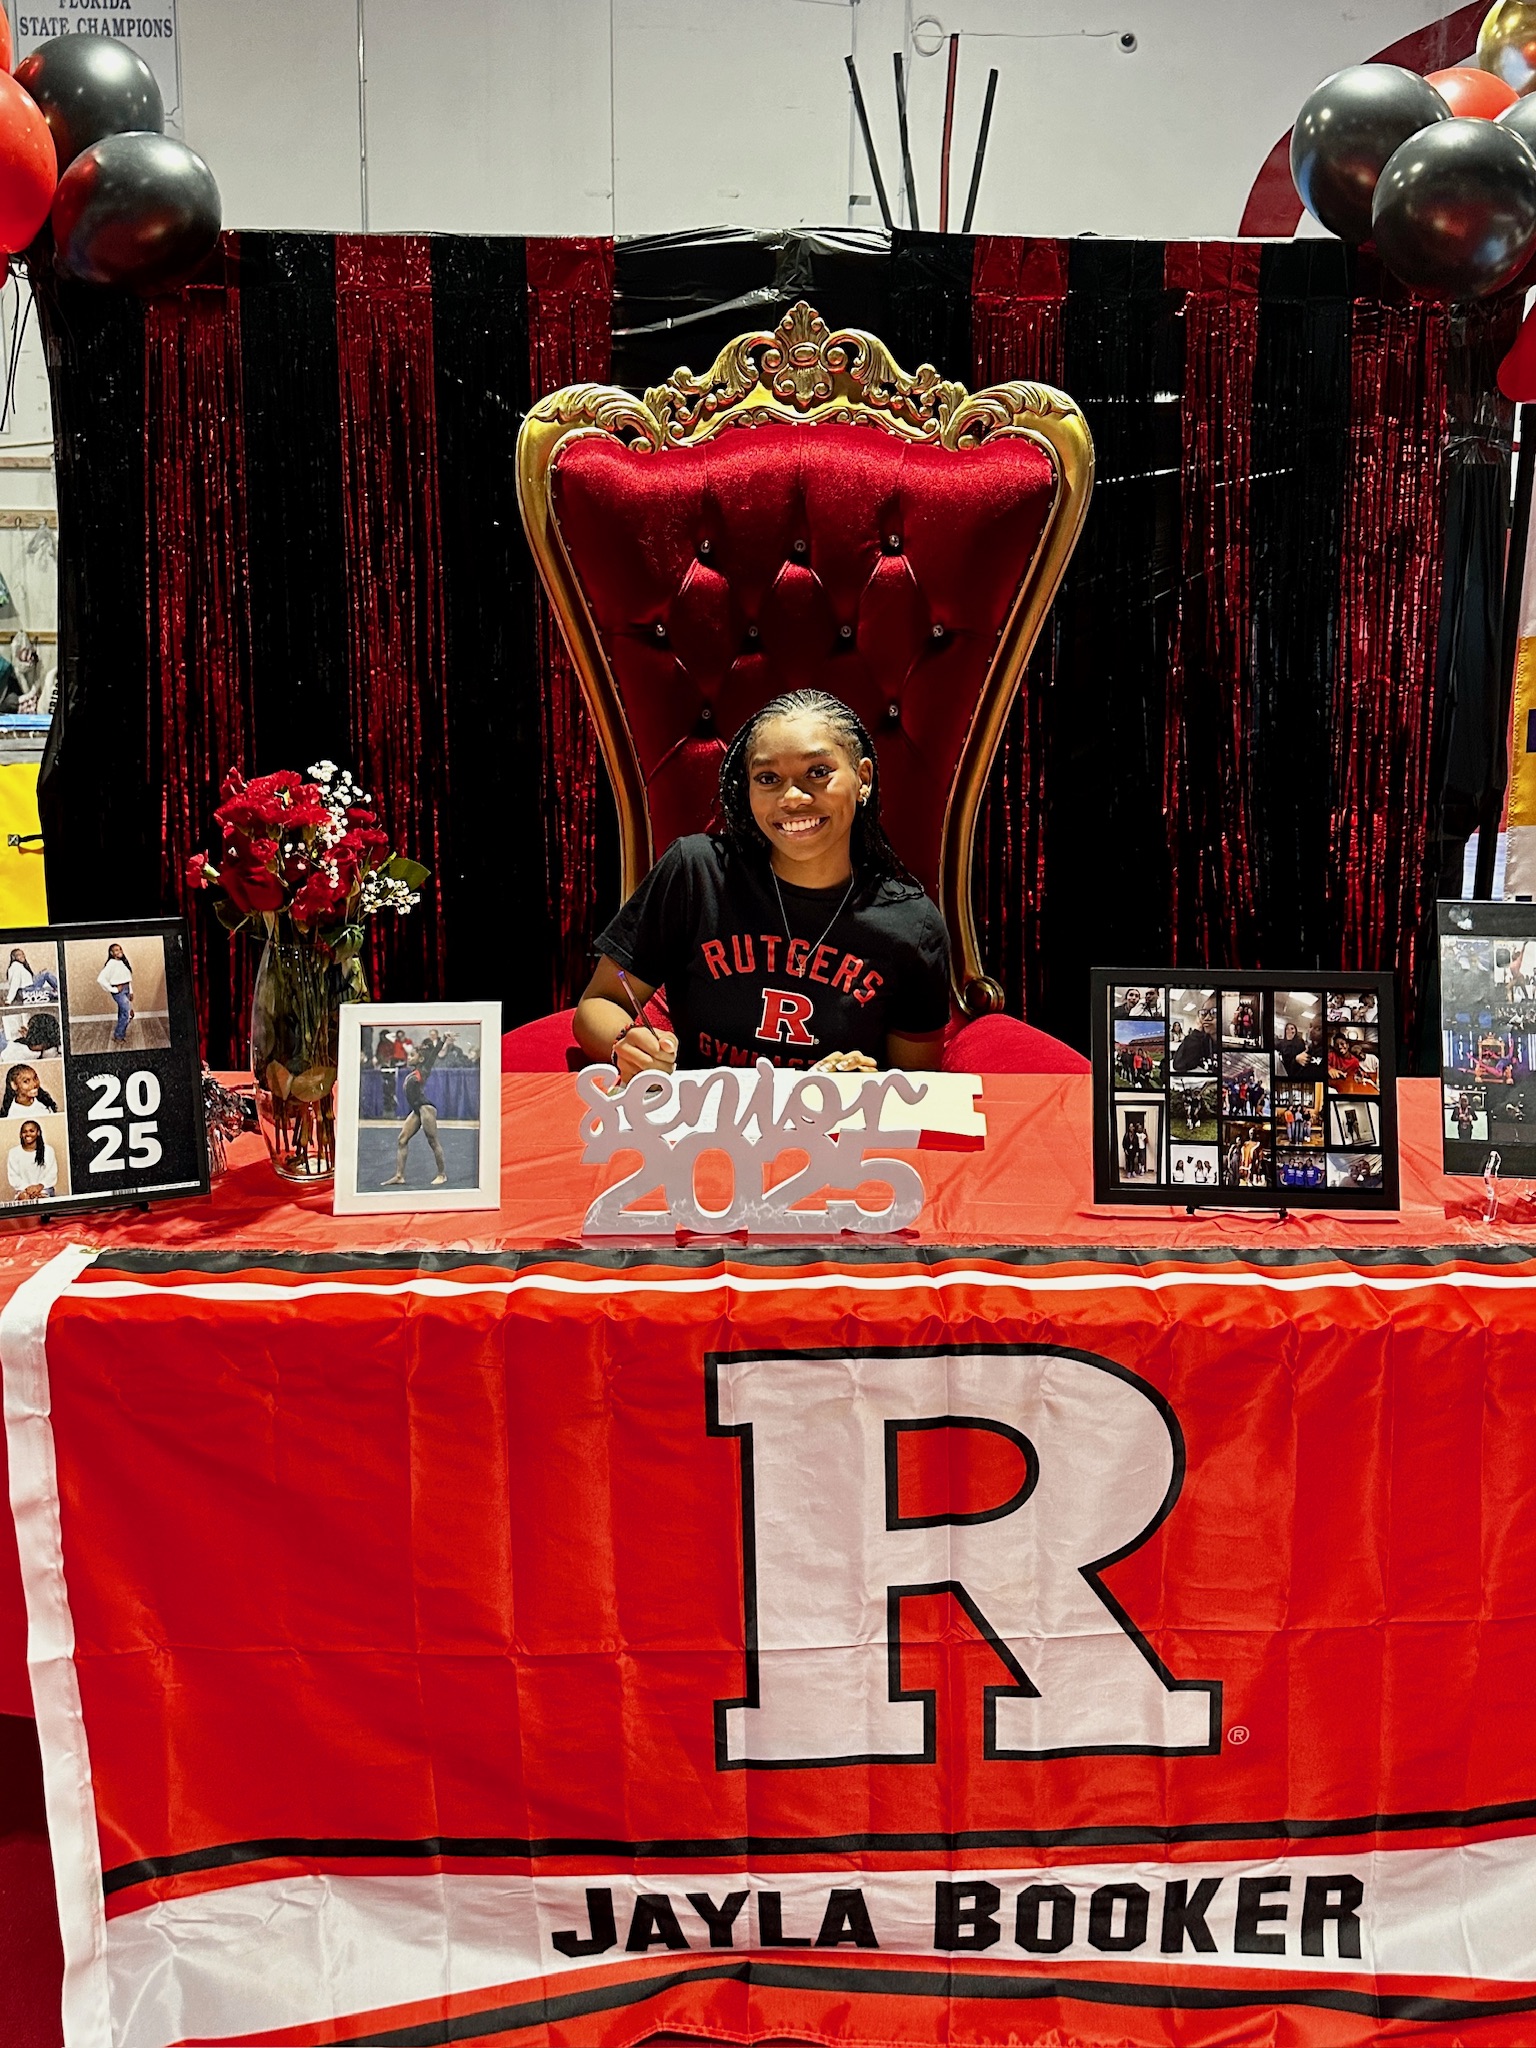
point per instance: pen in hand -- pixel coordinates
(642, 1018)
(634, 1002)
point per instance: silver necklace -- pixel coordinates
(832, 920)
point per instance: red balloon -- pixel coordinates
(1517, 372)
(1473, 93)
(29, 166)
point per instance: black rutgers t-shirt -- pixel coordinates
(707, 926)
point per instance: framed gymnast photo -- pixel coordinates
(418, 1108)
(1218, 1089)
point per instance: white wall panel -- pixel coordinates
(732, 112)
(269, 96)
(489, 116)
(1162, 142)
(504, 115)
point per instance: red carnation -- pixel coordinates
(298, 803)
(318, 898)
(364, 843)
(251, 888)
(283, 802)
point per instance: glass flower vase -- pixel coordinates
(295, 1029)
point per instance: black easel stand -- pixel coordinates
(1258, 1209)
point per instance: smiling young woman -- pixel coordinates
(792, 934)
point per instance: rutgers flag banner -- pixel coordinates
(893, 1648)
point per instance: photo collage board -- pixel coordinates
(101, 1096)
(1244, 1090)
(1488, 1036)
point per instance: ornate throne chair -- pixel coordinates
(806, 514)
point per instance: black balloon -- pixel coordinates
(1455, 211)
(135, 210)
(1346, 130)
(1520, 119)
(89, 87)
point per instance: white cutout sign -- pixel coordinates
(752, 1116)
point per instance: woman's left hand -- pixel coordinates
(847, 1063)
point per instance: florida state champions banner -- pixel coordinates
(916, 1648)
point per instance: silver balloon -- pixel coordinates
(135, 210)
(1455, 209)
(1346, 130)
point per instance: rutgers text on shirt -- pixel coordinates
(845, 1126)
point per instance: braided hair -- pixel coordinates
(9, 1096)
(41, 1033)
(874, 858)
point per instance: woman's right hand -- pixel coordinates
(643, 1051)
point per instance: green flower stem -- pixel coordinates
(295, 1031)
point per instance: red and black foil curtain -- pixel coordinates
(392, 534)
(570, 295)
(1227, 753)
(196, 566)
(289, 530)
(1016, 331)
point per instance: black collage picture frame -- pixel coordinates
(101, 1098)
(1244, 1090)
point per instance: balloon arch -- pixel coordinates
(1438, 171)
(87, 170)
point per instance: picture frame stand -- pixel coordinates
(1491, 1183)
(1206, 1209)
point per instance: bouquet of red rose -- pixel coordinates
(305, 864)
(308, 856)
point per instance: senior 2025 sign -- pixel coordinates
(887, 1646)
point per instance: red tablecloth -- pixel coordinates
(1032, 1184)
(482, 1636)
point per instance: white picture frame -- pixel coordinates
(372, 1113)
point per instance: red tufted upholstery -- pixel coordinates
(772, 558)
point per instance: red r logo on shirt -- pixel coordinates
(785, 1016)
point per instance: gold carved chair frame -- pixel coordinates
(804, 374)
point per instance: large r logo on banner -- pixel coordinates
(829, 1555)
